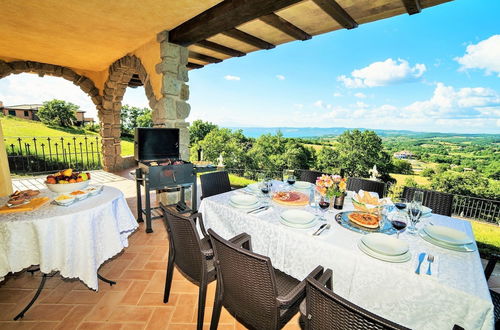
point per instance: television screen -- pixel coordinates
(156, 143)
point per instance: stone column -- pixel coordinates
(172, 108)
(5, 180)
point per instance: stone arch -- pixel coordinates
(85, 84)
(120, 74)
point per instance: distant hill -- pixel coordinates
(309, 132)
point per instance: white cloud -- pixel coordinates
(337, 94)
(298, 106)
(360, 95)
(321, 104)
(484, 55)
(280, 77)
(230, 77)
(383, 73)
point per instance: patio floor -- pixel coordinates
(135, 302)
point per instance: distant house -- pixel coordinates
(29, 111)
(404, 154)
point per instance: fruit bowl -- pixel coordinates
(68, 187)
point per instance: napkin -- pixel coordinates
(425, 265)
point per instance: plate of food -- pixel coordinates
(291, 198)
(93, 190)
(363, 223)
(363, 219)
(21, 197)
(79, 194)
(65, 199)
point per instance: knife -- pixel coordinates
(421, 258)
(320, 228)
(252, 211)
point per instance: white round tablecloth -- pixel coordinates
(74, 240)
(457, 293)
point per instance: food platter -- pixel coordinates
(67, 199)
(342, 219)
(291, 198)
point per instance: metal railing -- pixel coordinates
(35, 155)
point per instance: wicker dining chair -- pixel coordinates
(357, 184)
(439, 202)
(192, 255)
(326, 310)
(495, 296)
(256, 294)
(214, 183)
(309, 176)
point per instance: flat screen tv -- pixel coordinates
(156, 143)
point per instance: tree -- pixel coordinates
(130, 118)
(145, 120)
(58, 113)
(198, 130)
(461, 183)
(360, 151)
(428, 172)
(401, 166)
(327, 160)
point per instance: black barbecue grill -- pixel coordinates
(161, 169)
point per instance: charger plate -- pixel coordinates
(342, 219)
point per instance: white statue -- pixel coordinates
(221, 161)
(374, 173)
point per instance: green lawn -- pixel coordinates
(487, 237)
(17, 127)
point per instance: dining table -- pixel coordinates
(456, 293)
(74, 240)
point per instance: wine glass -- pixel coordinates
(418, 196)
(264, 189)
(324, 204)
(399, 222)
(414, 213)
(291, 180)
(400, 203)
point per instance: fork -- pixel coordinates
(430, 259)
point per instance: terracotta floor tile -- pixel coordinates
(131, 313)
(133, 326)
(118, 267)
(160, 318)
(138, 274)
(105, 307)
(17, 325)
(156, 299)
(159, 254)
(75, 317)
(183, 314)
(8, 311)
(15, 295)
(82, 297)
(157, 282)
(156, 265)
(48, 312)
(54, 296)
(182, 326)
(100, 325)
(184, 286)
(134, 293)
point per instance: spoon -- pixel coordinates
(430, 259)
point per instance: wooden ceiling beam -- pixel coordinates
(248, 39)
(222, 17)
(285, 26)
(192, 65)
(412, 6)
(220, 48)
(204, 58)
(332, 8)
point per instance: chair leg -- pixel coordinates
(170, 274)
(217, 309)
(201, 302)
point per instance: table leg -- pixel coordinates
(102, 278)
(35, 297)
(138, 179)
(149, 228)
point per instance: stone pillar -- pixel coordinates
(172, 108)
(5, 180)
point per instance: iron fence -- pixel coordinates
(36, 155)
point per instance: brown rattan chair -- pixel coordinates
(309, 176)
(326, 310)
(256, 294)
(357, 184)
(214, 183)
(192, 255)
(495, 296)
(439, 202)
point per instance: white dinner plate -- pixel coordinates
(239, 206)
(385, 244)
(244, 200)
(297, 216)
(254, 187)
(302, 185)
(447, 235)
(400, 258)
(298, 225)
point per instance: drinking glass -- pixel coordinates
(324, 204)
(265, 189)
(287, 174)
(400, 204)
(414, 213)
(399, 222)
(418, 197)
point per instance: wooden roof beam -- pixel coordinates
(248, 39)
(220, 48)
(204, 58)
(222, 17)
(191, 65)
(285, 26)
(412, 6)
(332, 8)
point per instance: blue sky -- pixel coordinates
(435, 71)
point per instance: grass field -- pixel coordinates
(17, 127)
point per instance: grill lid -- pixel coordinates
(156, 144)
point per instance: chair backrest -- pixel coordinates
(248, 284)
(439, 202)
(357, 184)
(309, 176)
(214, 183)
(327, 310)
(185, 243)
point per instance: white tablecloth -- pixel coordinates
(74, 240)
(457, 295)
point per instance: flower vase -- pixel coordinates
(338, 204)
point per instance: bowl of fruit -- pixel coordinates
(67, 181)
